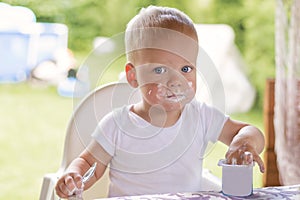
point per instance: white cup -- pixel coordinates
(237, 180)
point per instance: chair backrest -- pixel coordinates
(85, 119)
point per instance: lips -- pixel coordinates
(169, 95)
(175, 97)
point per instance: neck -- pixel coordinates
(157, 115)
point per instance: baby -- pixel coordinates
(157, 145)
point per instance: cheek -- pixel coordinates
(149, 92)
(192, 85)
(191, 82)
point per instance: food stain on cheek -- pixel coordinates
(156, 92)
(191, 88)
(160, 91)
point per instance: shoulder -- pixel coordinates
(108, 129)
(115, 115)
(111, 121)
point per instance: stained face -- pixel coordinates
(166, 79)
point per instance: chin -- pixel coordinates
(174, 106)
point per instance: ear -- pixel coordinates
(131, 75)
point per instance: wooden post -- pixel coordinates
(271, 175)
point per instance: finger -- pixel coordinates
(58, 190)
(61, 190)
(70, 185)
(247, 158)
(234, 157)
(231, 159)
(78, 181)
(229, 155)
(260, 163)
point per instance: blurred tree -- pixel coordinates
(259, 44)
(230, 12)
(253, 23)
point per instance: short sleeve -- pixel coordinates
(214, 121)
(105, 133)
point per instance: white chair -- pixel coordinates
(83, 122)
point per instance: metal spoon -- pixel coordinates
(88, 175)
(85, 178)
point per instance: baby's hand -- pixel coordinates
(243, 155)
(67, 185)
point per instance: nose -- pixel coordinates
(174, 83)
(174, 80)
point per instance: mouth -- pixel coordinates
(175, 97)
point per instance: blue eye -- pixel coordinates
(186, 69)
(159, 70)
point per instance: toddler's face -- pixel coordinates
(165, 78)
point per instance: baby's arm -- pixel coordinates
(241, 138)
(72, 179)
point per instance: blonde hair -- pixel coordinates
(153, 22)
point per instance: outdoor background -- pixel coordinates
(33, 118)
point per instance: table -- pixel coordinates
(267, 193)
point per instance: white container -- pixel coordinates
(237, 180)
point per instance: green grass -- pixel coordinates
(32, 124)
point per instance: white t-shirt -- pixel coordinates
(148, 159)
